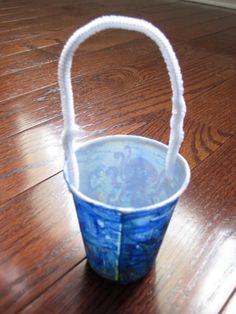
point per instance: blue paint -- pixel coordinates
(142, 235)
(122, 246)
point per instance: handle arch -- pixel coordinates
(67, 102)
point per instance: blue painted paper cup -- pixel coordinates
(125, 188)
(125, 203)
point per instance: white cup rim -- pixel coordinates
(164, 203)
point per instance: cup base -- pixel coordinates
(119, 282)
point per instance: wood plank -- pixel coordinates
(46, 74)
(200, 139)
(30, 157)
(20, 45)
(91, 92)
(21, 17)
(195, 270)
(11, 6)
(47, 24)
(199, 30)
(34, 58)
(30, 43)
(181, 15)
(98, 81)
(74, 15)
(216, 106)
(32, 11)
(156, 13)
(212, 222)
(45, 158)
(3, 10)
(221, 42)
(30, 16)
(53, 38)
(40, 241)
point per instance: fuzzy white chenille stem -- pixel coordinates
(64, 73)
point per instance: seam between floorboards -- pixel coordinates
(202, 36)
(51, 285)
(29, 188)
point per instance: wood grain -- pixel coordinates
(220, 42)
(108, 81)
(223, 112)
(52, 37)
(32, 156)
(189, 275)
(40, 241)
(25, 60)
(121, 86)
(37, 155)
(66, 16)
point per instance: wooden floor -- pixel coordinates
(121, 86)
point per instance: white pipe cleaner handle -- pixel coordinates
(64, 73)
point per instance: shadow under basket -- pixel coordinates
(124, 202)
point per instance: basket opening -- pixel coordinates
(127, 171)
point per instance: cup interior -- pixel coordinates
(128, 171)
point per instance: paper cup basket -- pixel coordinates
(125, 187)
